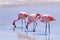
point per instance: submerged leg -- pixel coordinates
(46, 29)
(27, 25)
(25, 22)
(14, 28)
(49, 27)
(34, 26)
(21, 23)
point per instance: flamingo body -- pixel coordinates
(32, 18)
(47, 18)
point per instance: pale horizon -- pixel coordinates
(28, 3)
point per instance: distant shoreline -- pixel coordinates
(42, 3)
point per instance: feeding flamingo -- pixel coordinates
(47, 19)
(33, 18)
(22, 16)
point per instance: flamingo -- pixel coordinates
(22, 16)
(33, 18)
(47, 19)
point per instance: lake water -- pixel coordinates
(8, 14)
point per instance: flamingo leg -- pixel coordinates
(47, 37)
(36, 23)
(46, 29)
(49, 27)
(25, 22)
(34, 26)
(21, 23)
(27, 25)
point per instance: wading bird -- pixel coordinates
(32, 18)
(22, 16)
(47, 19)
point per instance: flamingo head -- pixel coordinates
(38, 15)
(26, 15)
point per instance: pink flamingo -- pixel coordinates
(33, 18)
(47, 19)
(22, 16)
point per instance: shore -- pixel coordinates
(30, 3)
